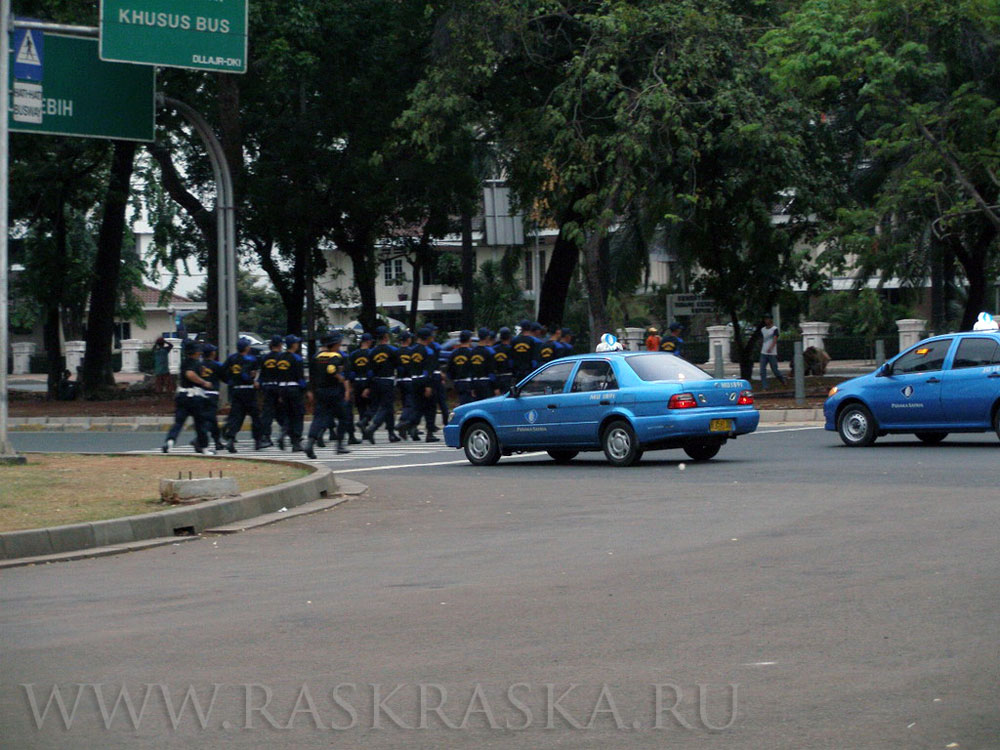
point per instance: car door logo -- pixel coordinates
(732, 396)
(907, 391)
(531, 416)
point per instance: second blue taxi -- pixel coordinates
(623, 403)
(941, 385)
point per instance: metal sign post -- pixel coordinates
(7, 454)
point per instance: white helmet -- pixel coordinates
(986, 322)
(609, 343)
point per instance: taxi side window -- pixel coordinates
(594, 376)
(923, 358)
(976, 353)
(548, 381)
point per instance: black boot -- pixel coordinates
(297, 446)
(231, 446)
(393, 437)
(352, 440)
(432, 438)
(369, 435)
(281, 440)
(308, 448)
(341, 450)
(320, 443)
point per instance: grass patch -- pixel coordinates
(54, 489)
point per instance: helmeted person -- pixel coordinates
(609, 343)
(292, 381)
(423, 387)
(211, 370)
(673, 342)
(652, 339)
(385, 361)
(360, 375)
(331, 393)
(459, 368)
(549, 349)
(437, 377)
(240, 373)
(524, 354)
(482, 366)
(189, 400)
(503, 364)
(408, 416)
(269, 379)
(566, 342)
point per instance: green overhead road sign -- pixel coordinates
(199, 34)
(81, 95)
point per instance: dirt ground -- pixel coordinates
(54, 489)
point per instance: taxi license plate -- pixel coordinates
(720, 425)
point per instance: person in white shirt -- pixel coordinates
(769, 352)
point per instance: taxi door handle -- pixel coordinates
(553, 406)
(933, 380)
(605, 402)
(994, 375)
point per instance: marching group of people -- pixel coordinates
(365, 380)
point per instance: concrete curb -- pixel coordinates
(177, 522)
(798, 416)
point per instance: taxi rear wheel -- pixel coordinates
(702, 451)
(620, 445)
(857, 426)
(563, 457)
(481, 445)
(931, 438)
(996, 423)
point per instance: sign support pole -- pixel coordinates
(225, 224)
(7, 454)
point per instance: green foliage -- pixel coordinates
(499, 300)
(866, 313)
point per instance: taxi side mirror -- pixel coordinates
(884, 371)
(514, 391)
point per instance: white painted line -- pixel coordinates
(418, 466)
(760, 664)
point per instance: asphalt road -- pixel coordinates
(851, 596)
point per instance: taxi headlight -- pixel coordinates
(833, 392)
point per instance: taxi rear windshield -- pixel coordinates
(652, 367)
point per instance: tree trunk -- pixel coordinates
(418, 267)
(468, 273)
(555, 285)
(363, 263)
(595, 289)
(97, 371)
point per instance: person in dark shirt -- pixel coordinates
(503, 364)
(524, 354)
(189, 400)
(459, 368)
(424, 387)
(240, 372)
(360, 375)
(385, 362)
(673, 342)
(408, 416)
(482, 366)
(331, 393)
(270, 379)
(293, 385)
(211, 370)
(550, 349)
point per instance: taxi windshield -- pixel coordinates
(652, 367)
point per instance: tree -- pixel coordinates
(910, 95)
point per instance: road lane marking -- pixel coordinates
(785, 429)
(417, 466)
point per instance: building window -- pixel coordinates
(392, 271)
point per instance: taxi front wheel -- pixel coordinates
(857, 426)
(481, 445)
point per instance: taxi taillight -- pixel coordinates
(682, 401)
(745, 399)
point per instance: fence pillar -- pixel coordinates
(632, 338)
(130, 355)
(813, 334)
(911, 330)
(74, 355)
(174, 356)
(23, 352)
(719, 335)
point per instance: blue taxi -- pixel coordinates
(943, 384)
(623, 403)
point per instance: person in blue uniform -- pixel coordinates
(189, 400)
(360, 375)
(270, 388)
(240, 373)
(565, 344)
(211, 370)
(673, 342)
(408, 417)
(549, 349)
(459, 368)
(524, 353)
(293, 385)
(331, 394)
(482, 366)
(437, 378)
(424, 387)
(385, 361)
(502, 362)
